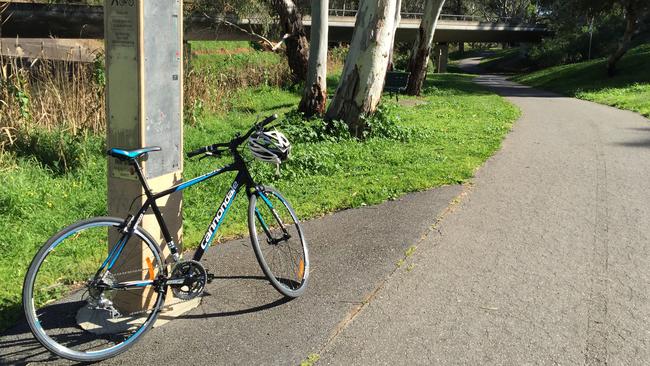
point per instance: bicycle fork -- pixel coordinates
(270, 239)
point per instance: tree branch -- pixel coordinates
(274, 46)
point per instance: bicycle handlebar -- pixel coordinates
(234, 143)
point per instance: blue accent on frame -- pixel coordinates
(266, 199)
(121, 244)
(194, 181)
(259, 216)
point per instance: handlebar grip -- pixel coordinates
(199, 151)
(268, 120)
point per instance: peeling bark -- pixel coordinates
(422, 47)
(363, 76)
(314, 96)
(297, 45)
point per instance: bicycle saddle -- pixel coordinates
(124, 154)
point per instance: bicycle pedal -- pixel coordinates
(211, 277)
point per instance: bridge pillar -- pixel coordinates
(144, 104)
(441, 57)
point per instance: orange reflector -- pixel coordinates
(150, 266)
(301, 268)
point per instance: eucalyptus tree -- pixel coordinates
(363, 75)
(419, 59)
(295, 39)
(398, 18)
(314, 96)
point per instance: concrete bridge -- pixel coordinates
(35, 24)
(27, 20)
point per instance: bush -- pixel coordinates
(385, 123)
(58, 150)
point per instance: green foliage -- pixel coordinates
(574, 21)
(386, 123)
(338, 54)
(17, 85)
(99, 71)
(314, 129)
(57, 150)
(570, 42)
(311, 360)
(629, 89)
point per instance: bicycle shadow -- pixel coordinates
(253, 309)
(19, 347)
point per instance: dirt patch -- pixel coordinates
(412, 102)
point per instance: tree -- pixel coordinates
(296, 42)
(634, 11)
(398, 18)
(314, 96)
(422, 47)
(362, 80)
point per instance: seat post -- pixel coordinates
(143, 180)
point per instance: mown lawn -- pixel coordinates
(452, 130)
(628, 89)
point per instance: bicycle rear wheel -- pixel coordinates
(278, 241)
(86, 315)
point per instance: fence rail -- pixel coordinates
(409, 15)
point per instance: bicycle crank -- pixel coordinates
(188, 280)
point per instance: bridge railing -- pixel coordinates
(410, 15)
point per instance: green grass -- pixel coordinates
(223, 57)
(629, 89)
(218, 45)
(455, 127)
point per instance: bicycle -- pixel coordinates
(96, 308)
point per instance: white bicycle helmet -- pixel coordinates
(269, 146)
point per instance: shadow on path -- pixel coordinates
(19, 347)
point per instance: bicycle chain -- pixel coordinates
(166, 306)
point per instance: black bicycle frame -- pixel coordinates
(243, 179)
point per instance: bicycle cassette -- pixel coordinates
(188, 280)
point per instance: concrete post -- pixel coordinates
(441, 57)
(144, 101)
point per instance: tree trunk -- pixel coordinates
(398, 18)
(314, 96)
(422, 47)
(363, 76)
(632, 18)
(297, 45)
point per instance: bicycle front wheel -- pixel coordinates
(85, 304)
(278, 241)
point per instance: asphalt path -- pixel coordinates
(544, 261)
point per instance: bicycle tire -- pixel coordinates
(285, 261)
(69, 316)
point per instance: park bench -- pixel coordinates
(396, 82)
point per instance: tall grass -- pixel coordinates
(62, 97)
(50, 96)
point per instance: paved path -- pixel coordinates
(546, 260)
